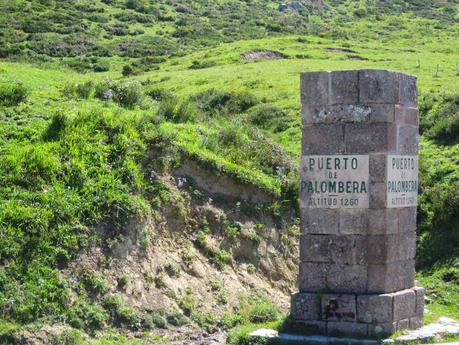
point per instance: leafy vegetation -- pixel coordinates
(439, 172)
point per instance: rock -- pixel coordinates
(264, 333)
(443, 327)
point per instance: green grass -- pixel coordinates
(442, 286)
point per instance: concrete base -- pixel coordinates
(439, 330)
(358, 315)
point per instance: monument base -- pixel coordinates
(361, 315)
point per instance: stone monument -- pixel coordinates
(358, 197)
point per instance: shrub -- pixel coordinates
(176, 319)
(120, 313)
(241, 143)
(446, 130)
(158, 94)
(84, 90)
(58, 123)
(95, 317)
(251, 268)
(12, 94)
(172, 109)
(215, 101)
(104, 90)
(216, 285)
(186, 112)
(80, 64)
(147, 63)
(220, 258)
(253, 237)
(94, 283)
(269, 117)
(233, 229)
(123, 281)
(187, 302)
(167, 107)
(439, 117)
(128, 94)
(69, 90)
(102, 66)
(212, 101)
(137, 5)
(205, 320)
(241, 101)
(67, 337)
(158, 320)
(258, 310)
(202, 64)
(439, 223)
(127, 70)
(172, 270)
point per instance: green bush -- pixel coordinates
(123, 281)
(439, 117)
(241, 101)
(269, 117)
(67, 337)
(439, 224)
(206, 320)
(94, 283)
(241, 144)
(121, 314)
(84, 90)
(185, 112)
(95, 317)
(220, 258)
(79, 64)
(144, 64)
(158, 320)
(176, 319)
(12, 94)
(128, 94)
(159, 94)
(215, 101)
(104, 90)
(57, 189)
(86, 315)
(58, 123)
(101, 66)
(258, 310)
(202, 64)
(127, 70)
(445, 130)
(172, 109)
(137, 5)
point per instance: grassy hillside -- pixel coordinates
(96, 96)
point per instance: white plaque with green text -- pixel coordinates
(402, 181)
(335, 181)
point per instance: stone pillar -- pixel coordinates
(358, 197)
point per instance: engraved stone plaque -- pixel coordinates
(402, 180)
(334, 181)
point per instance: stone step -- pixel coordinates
(431, 333)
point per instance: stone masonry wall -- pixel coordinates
(358, 203)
